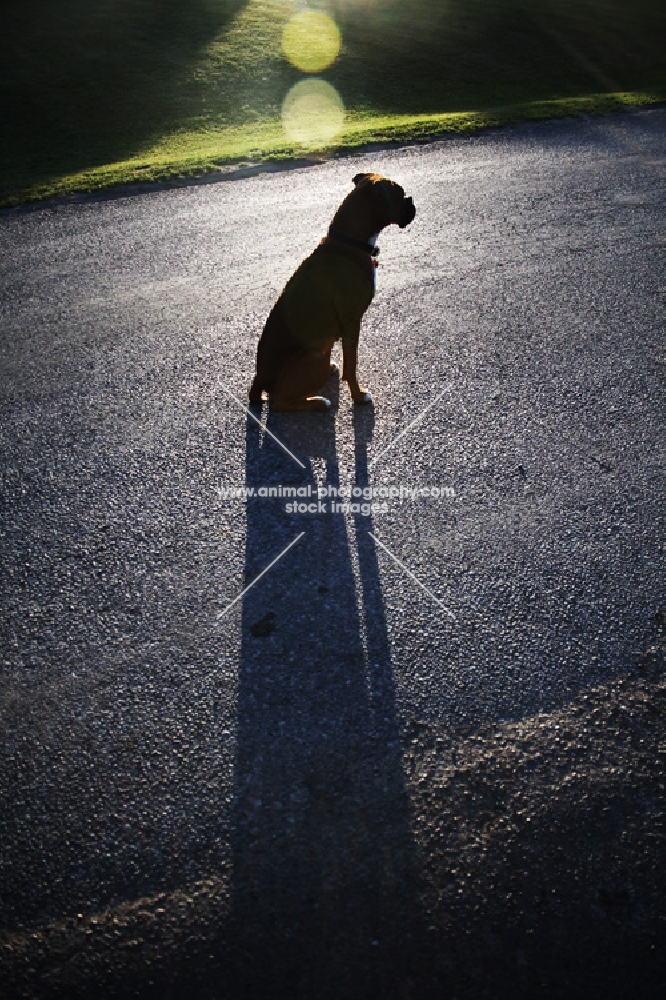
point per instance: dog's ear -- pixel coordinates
(360, 177)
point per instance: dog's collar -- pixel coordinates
(351, 242)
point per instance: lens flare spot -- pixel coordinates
(311, 41)
(313, 114)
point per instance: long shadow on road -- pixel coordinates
(324, 870)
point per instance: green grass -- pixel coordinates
(100, 92)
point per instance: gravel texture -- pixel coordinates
(337, 789)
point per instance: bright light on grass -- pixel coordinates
(313, 114)
(196, 152)
(92, 98)
(311, 41)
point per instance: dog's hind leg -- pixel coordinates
(300, 380)
(276, 346)
(256, 390)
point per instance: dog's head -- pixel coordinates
(389, 199)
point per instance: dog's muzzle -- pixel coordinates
(407, 213)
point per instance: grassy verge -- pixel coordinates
(197, 153)
(122, 91)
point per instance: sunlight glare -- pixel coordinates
(313, 114)
(311, 41)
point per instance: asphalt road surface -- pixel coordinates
(423, 755)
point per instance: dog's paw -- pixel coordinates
(362, 397)
(312, 403)
(319, 403)
(333, 370)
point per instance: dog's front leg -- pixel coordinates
(349, 361)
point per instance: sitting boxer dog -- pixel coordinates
(325, 300)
